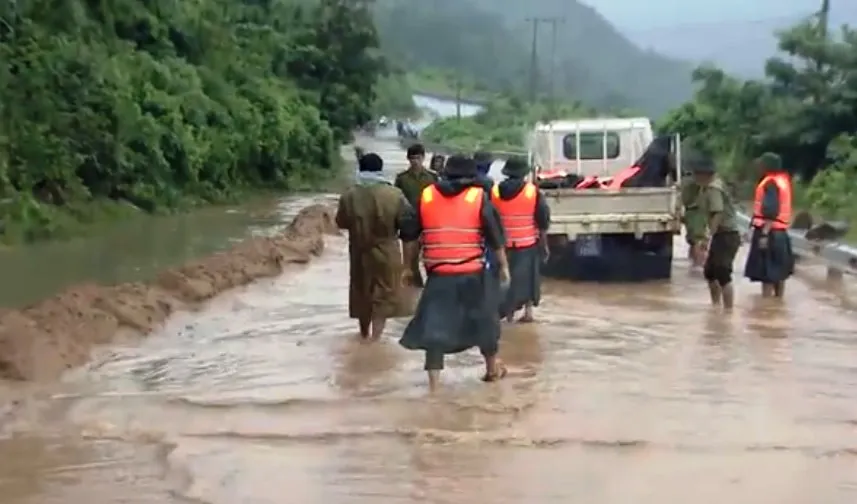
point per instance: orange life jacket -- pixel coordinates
(588, 182)
(623, 176)
(555, 172)
(784, 185)
(452, 231)
(519, 216)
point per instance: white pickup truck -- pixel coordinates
(603, 233)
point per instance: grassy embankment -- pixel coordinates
(500, 127)
(442, 84)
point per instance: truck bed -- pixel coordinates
(635, 210)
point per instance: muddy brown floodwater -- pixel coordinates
(620, 394)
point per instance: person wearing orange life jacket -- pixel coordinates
(526, 217)
(771, 259)
(456, 221)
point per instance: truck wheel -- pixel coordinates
(561, 252)
(659, 247)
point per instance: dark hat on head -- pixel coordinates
(698, 161)
(516, 166)
(483, 157)
(460, 166)
(371, 163)
(483, 162)
(770, 161)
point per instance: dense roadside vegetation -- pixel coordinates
(115, 107)
(500, 127)
(394, 96)
(805, 109)
(448, 84)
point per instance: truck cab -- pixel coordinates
(588, 147)
(606, 227)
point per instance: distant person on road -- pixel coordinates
(526, 216)
(457, 310)
(771, 259)
(436, 164)
(412, 182)
(374, 213)
(483, 166)
(483, 162)
(721, 248)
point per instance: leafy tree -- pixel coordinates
(805, 109)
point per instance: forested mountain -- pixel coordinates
(452, 34)
(594, 62)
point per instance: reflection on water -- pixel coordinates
(618, 394)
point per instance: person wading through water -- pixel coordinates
(694, 220)
(725, 239)
(771, 259)
(458, 309)
(412, 182)
(483, 162)
(374, 213)
(526, 216)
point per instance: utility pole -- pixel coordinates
(823, 28)
(824, 18)
(534, 59)
(458, 96)
(554, 22)
(534, 51)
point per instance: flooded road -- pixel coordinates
(138, 249)
(620, 394)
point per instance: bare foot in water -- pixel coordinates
(527, 318)
(500, 372)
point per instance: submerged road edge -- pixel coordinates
(41, 341)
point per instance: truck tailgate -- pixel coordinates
(631, 210)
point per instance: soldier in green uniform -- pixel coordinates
(412, 182)
(725, 236)
(694, 220)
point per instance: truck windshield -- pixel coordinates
(591, 145)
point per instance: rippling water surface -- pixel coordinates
(620, 394)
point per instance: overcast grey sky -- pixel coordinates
(735, 34)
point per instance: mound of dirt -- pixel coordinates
(41, 341)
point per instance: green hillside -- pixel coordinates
(489, 41)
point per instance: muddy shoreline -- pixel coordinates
(41, 341)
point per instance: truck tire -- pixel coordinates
(622, 258)
(659, 249)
